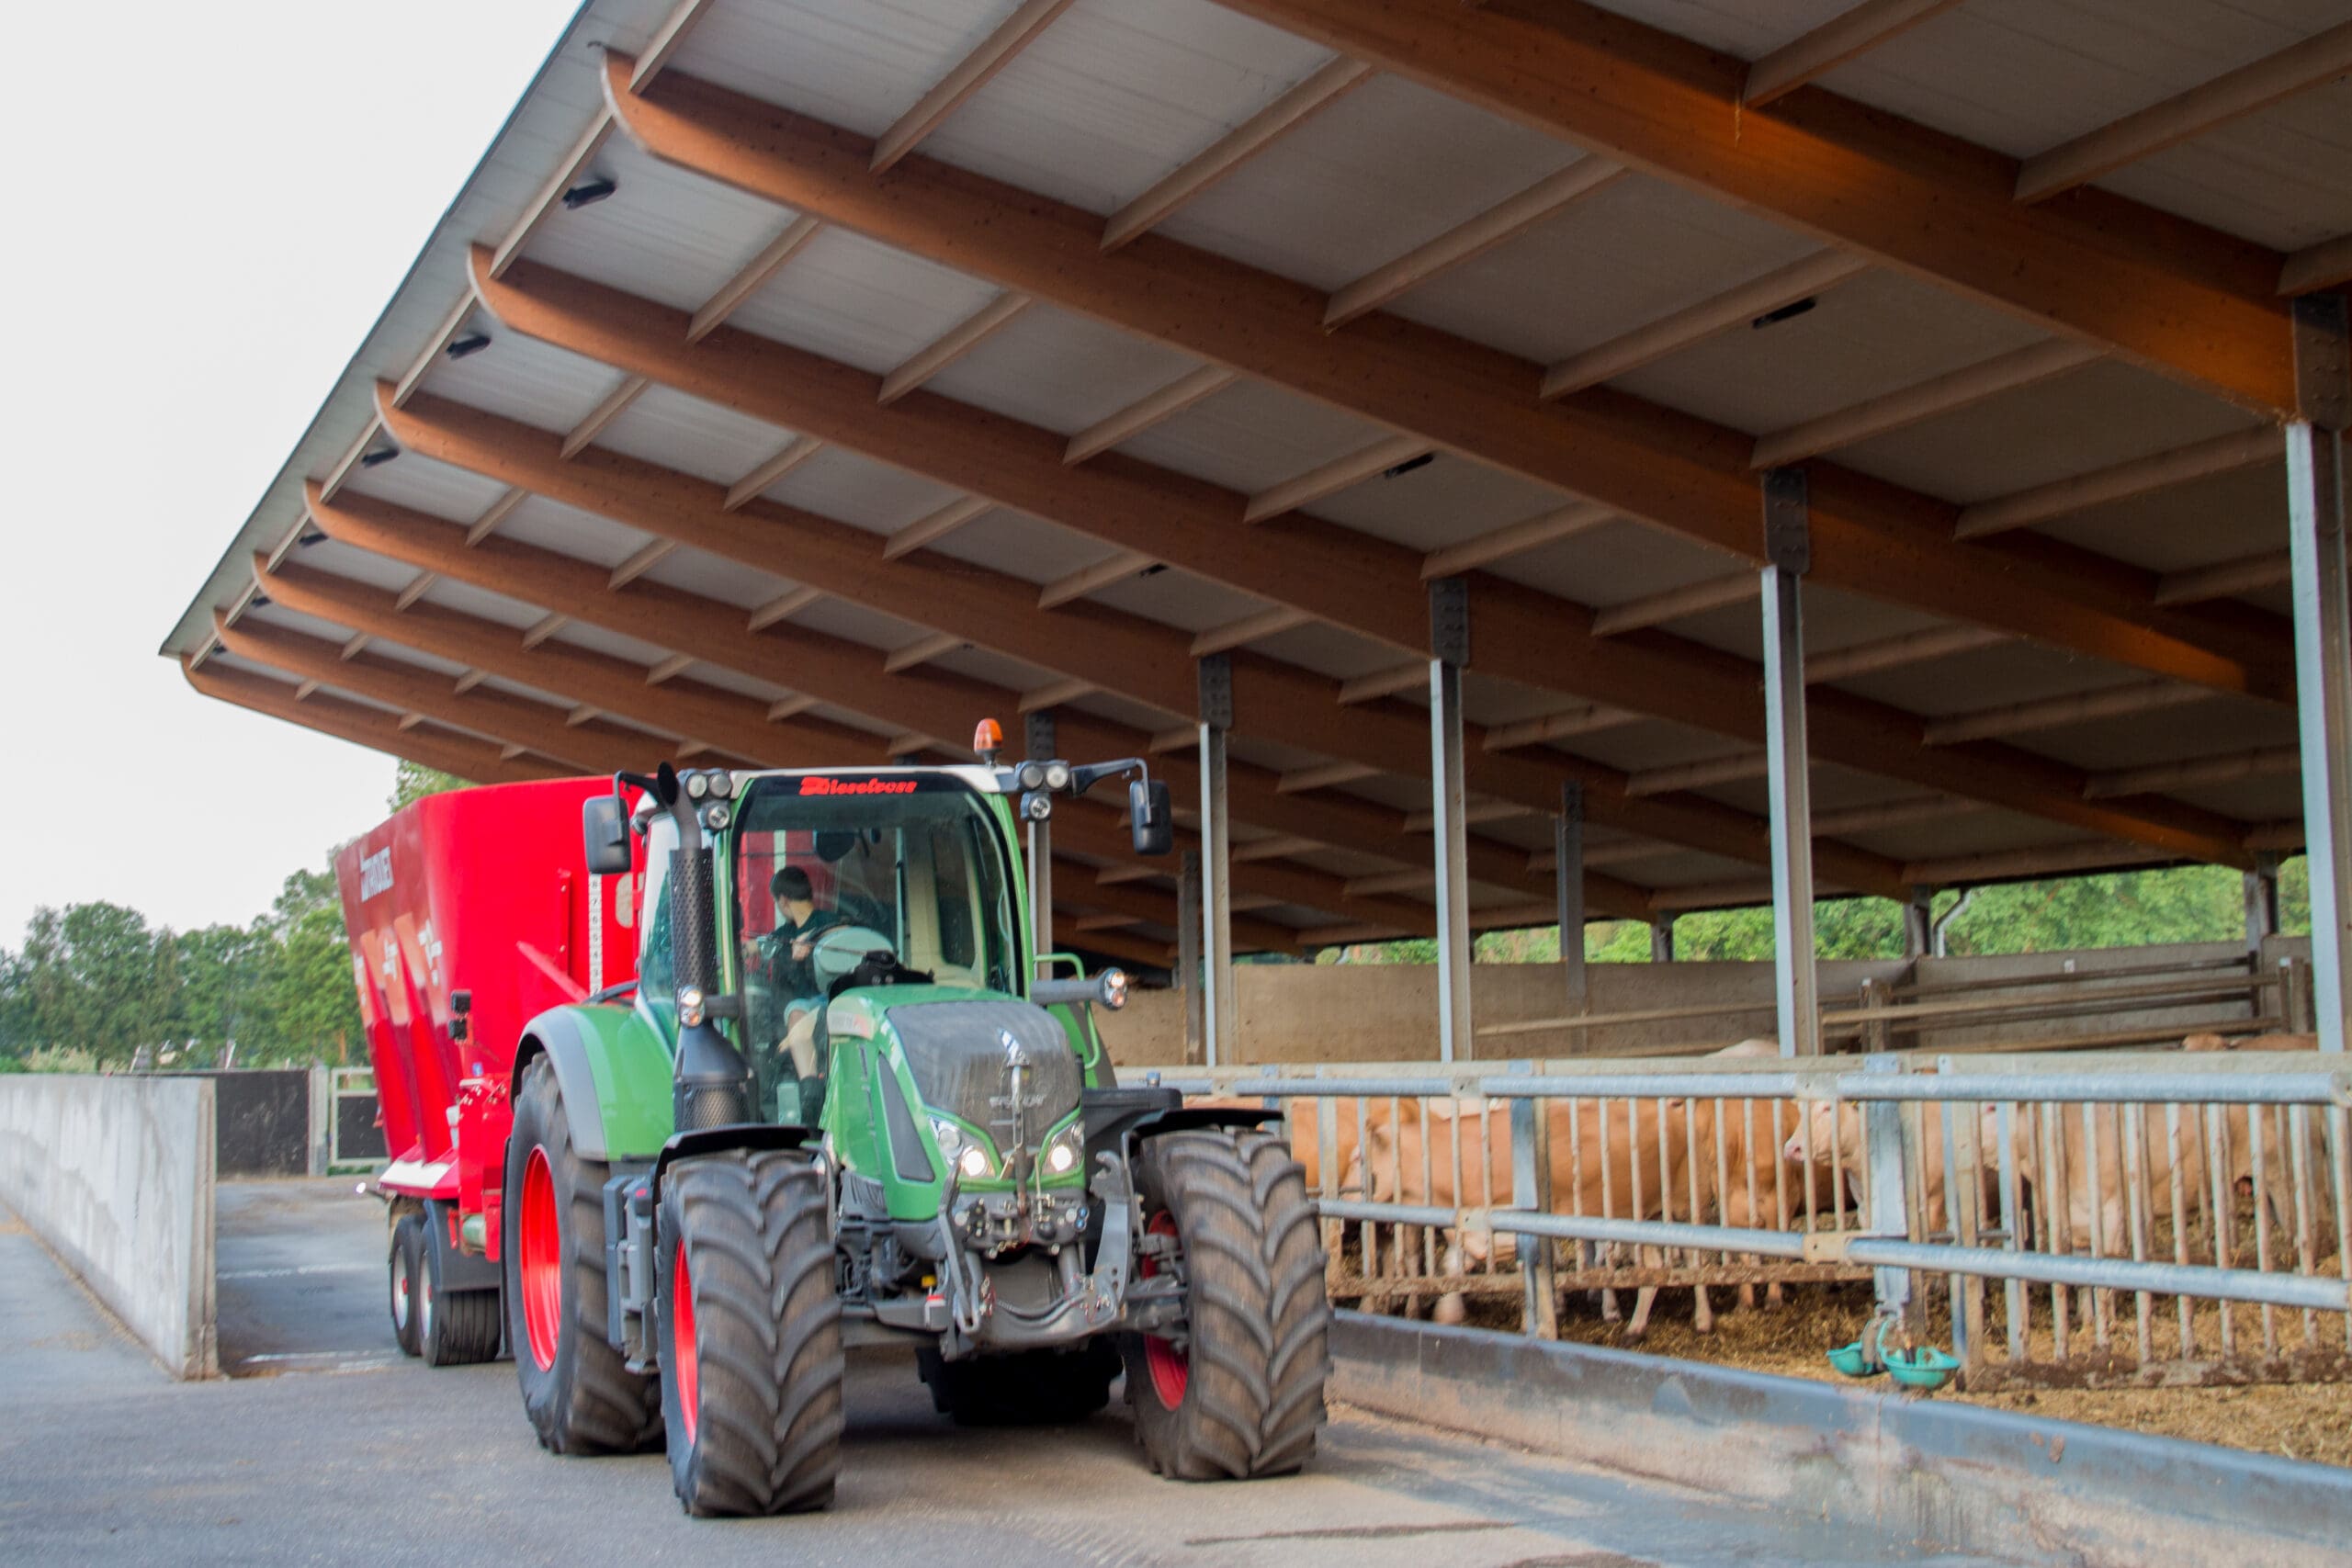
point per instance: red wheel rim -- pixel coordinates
(538, 1246)
(1171, 1368)
(688, 1370)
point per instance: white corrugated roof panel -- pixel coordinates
(551, 525)
(857, 490)
(675, 431)
(422, 485)
(720, 579)
(664, 233)
(846, 297)
(1251, 436)
(2274, 177)
(523, 378)
(1443, 501)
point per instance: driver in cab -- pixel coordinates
(798, 923)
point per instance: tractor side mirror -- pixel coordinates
(604, 831)
(1154, 824)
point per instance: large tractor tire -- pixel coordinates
(580, 1396)
(401, 1269)
(1029, 1388)
(1240, 1395)
(750, 1333)
(454, 1328)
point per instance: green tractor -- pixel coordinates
(840, 1106)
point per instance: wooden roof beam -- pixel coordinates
(1337, 575)
(496, 513)
(461, 755)
(613, 404)
(1269, 621)
(1235, 148)
(845, 674)
(549, 196)
(2194, 772)
(1116, 567)
(1668, 468)
(1557, 726)
(2225, 580)
(934, 526)
(1882, 654)
(1330, 478)
(2327, 265)
(1848, 35)
(2195, 304)
(967, 76)
(794, 453)
(2321, 58)
(1515, 539)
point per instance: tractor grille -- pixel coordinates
(955, 1050)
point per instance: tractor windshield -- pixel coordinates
(830, 870)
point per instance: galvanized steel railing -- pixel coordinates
(2095, 1171)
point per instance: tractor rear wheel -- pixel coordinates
(400, 1267)
(580, 1397)
(1028, 1388)
(1240, 1393)
(750, 1333)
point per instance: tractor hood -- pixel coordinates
(960, 1048)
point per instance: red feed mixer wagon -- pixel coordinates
(470, 913)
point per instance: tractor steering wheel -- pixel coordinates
(837, 949)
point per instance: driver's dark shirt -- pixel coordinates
(797, 976)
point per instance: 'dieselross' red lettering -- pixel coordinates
(857, 787)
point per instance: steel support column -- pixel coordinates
(2261, 903)
(1040, 747)
(1567, 855)
(1218, 1013)
(1788, 553)
(1450, 644)
(1188, 956)
(1662, 940)
(1919, 924)
(2324, 639)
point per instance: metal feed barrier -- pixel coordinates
(2130, 1218)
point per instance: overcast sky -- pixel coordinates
(212, 203)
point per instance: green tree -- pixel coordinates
(225, 975)
(99, 981)
(412, 782)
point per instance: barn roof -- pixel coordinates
(794, 382)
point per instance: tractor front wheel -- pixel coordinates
(1239, 1393)
(750, 1333)
(580, 1397)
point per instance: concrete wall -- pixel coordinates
(1935, 1475)
(116, 1175)
(1388, 1012)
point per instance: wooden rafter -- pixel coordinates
(1846, 36)
(2304, 65)
(2120, 481)
(1269, 621)
(550, 195)
(1337, 575)
(668, 37)
(1674, 603)
(797, 451)
(1468, 240)
(967, 76)
(1330, 478)
(2223, 580)
(752, 277)
(1146, 412)
(2327, 265)
(934, 526)
(1668, 468)
(1235, 148)
(2193, 303)
(1695, 324)
(953, 344)
(1116, 567)
(1926, 399)
(609, 407)
(2049, 713)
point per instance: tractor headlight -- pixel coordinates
(974, 1162)
(959, 1149)
(1068, 1146)
(693, 1008)
(1031, 776)
(1057, 776)
(1113, 986)
(950, 1138)
(697, 786)
(722, 785)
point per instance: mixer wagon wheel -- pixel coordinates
(1239, 1393)
(580, 1396)
(400, 1267)
(454, 1328)
(749, 1333)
